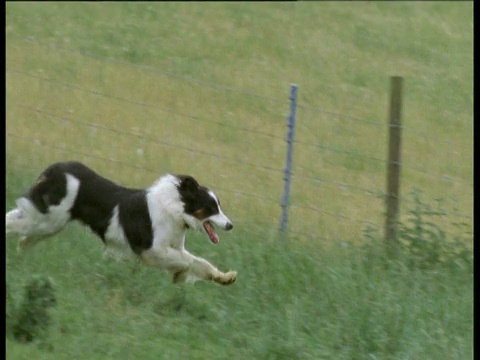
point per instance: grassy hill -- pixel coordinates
(138, 89)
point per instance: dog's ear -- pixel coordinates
(187, 182)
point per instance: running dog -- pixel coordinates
(147, 223)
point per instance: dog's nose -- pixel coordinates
(229, 226)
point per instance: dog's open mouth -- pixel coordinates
(212, 234)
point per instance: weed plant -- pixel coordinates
(33, 319)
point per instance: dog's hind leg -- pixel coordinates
(26, 243)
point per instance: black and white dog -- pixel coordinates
(149, 223)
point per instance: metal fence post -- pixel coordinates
(288, 166)
(394, 165)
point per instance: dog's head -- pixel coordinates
(201, 207)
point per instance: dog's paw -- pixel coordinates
(226, 278)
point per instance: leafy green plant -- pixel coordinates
(425, 241)
(33, 318)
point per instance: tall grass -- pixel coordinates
(292, 300)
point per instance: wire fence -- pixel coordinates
(338, 182)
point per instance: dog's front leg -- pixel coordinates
(202, 269)
(186, 267)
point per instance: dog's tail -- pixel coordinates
(13, 221)
(19, 224)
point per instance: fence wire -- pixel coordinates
(300, 173)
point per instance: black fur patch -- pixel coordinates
(196, 198)
(95, 203)
(50, 189)
(136, 223)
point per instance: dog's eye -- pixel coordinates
(213, 208)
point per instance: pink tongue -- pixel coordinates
(211, 232)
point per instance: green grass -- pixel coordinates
(290, 302)
(323, 298)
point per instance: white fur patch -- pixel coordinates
(27, 221)
(116, 242)
(220, 219)
(167, 213)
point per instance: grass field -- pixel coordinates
(108, 84)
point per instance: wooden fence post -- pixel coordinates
(394, 164)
